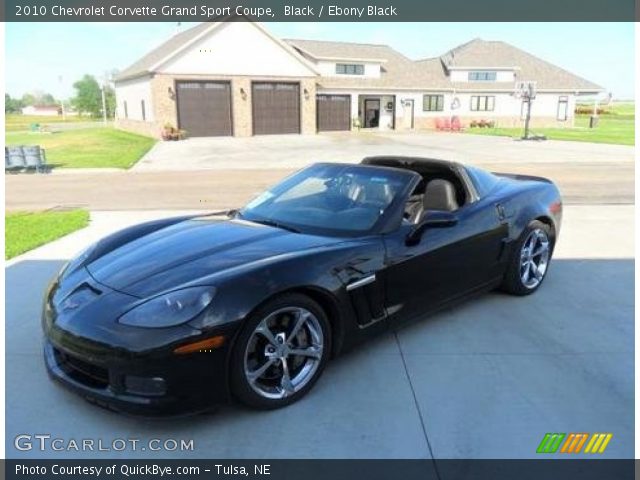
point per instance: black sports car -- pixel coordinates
(181, 314)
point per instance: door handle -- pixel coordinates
(501, 213)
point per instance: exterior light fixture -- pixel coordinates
(243, 94)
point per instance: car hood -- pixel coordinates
(193, 249)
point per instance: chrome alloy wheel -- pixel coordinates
(283, 352)
(534, 258)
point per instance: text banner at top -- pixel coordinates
(318, 11)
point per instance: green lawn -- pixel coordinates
(87, 147)
(617, 126)
(15, 122)
(25, 231)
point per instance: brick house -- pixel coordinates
(237, 79)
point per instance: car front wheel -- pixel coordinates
(530, 260)
(280, 352)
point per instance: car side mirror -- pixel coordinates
(430, 219)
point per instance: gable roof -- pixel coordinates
(480, 53)
(327, 50)
(177, 43)
(397, 71)
(145, 64)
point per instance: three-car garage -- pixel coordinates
(205, 108)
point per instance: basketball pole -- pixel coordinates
(528, 117)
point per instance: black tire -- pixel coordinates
(240, 386)
(513, 281)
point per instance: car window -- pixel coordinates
(331, 197)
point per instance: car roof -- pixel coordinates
(400, 161)
(373, 166)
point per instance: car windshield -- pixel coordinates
(329, 198)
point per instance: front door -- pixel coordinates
(446, 263)
(371, 113)
(407, 114)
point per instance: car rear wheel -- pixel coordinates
(530, 260)
(281, 352)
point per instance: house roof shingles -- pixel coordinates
(400, 72)
(397, 70)
(480, 53)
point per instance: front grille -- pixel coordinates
(81, 371)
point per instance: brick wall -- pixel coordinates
(150, 129)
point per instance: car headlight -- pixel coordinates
(170, 309)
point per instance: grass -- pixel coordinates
(15, 122)
(87, 148)
(617, 126)
(25, 231)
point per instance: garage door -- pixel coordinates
(334, 112)
(204, 108)
(276, 108)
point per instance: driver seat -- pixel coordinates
(439, 195)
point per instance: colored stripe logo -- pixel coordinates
(574, 442)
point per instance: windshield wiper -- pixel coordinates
(272, 223)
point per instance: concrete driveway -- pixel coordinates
(297, 151)
(483, 380)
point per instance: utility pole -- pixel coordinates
(593, 121)
(105, 84)
(104, 105)
(64, 113)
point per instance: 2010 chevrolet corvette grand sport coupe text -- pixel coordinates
(181, 314)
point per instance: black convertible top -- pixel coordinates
(413, 163)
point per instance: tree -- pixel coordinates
(12, 105)
(38, 97)
(88, 97)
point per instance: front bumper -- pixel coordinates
(191, 389)
(105, 396)
(114, 365)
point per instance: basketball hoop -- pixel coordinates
(525, 89)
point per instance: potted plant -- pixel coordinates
(167, 131)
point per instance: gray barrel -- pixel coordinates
(15, 157)
(32, 156)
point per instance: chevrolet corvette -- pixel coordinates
(182, 314)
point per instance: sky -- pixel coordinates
(51, 56)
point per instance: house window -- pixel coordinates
(349, 69)
(482, 76)
(482, 103)
(432, 103)
(126, 111)
(142, 110)
(563, 108)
